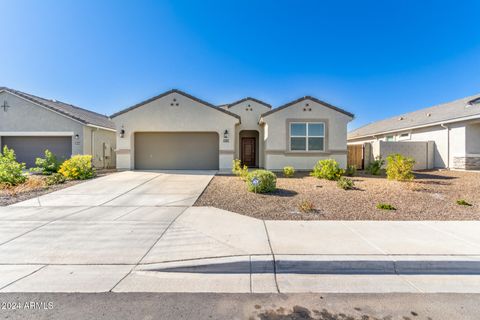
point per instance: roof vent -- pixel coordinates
(428, 114)
(401, 118)
(474, 101)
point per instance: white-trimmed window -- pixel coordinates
(389, 138)
(404, 136)
(307, 136)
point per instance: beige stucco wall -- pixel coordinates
(250, 119)
(473, 138)
(101, 145)
(189, 116)
(440, 136)
(458, 144)
(449, 143)
(26, 118)
(276, 139)
(420, 151)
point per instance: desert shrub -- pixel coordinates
(33, 183)
(47, 165)
(239, 170)
(11, 171)
(306, 206)
(78, 167)
(288, 171)
(267, 181)
(345, 183)
(55, 178)
(463, 202)
(400, 167)
(375, 167)
(351, 171)
(327, 169)
(385, 206)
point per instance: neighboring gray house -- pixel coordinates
(175, 130)
(454, 128)
(30, 124)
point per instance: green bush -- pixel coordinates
(55, 178)
(463, 202)
(78, 168)
(288, 171)
(375, 167)
(11, 171)
(238, 170)
(327, 169)
(47, 165)
(400, 168)
(385, 206)
(345, 183)
(267, 181)
(351, 171)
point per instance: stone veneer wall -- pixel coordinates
(468, 163)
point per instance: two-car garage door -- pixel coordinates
(176, 150)
(28, 149)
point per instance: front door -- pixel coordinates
(248, 152)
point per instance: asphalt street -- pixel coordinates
(117, 306)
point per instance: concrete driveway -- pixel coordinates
(137, 232)
(131, 188)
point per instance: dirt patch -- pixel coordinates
(35, 187)
(302, 313)
(431, 196)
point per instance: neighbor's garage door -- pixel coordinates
(28, 149)
(176, 150)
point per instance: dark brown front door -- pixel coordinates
(248, 152)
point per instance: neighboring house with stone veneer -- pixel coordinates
(30, 124)
(175, 130)
(454, 127)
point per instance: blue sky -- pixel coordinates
(373, 58)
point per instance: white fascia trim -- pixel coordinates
(36, 133)
(439, 123)
(103, 128)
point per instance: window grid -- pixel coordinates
(307, 135)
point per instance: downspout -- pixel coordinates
(92, 147)
(448, 143)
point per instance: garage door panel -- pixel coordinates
(28, 149)
(176, 150)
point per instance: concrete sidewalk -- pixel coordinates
(202, 249)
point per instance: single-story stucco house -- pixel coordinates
(175, 130)
(30, 125)
(452, 127)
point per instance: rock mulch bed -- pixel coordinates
(431, 196)
(22, 193)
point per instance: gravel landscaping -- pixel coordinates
(432, 195)
(33, 190)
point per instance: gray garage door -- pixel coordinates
(176, 150)
(28, 149)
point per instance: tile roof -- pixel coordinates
(178, 92)
(69, 110)
(446, 112)
(229, 105)
(328, 105)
